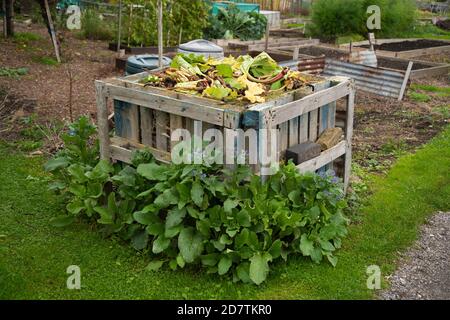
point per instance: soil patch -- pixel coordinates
(408, 45)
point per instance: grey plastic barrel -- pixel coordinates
(202, 47)
(140, 63)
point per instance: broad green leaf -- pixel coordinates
(275, 249)
(165, 199)
(155, 229)
(175, 217)
(224, 265)
(241, 239)
(139, 240)
(203, 227)
(180, 261)
(230, 204)
(154, 265)
(224, 70)
(190, 244)
(217, 93)
(56, 163)
(243, 271)
(259, 268)
(144, 218)
(243, 218)
(326, 245)
(77, 172)
(306, 245)
(210, 259)
(75, 206)
(316, 255)
(62, 221)
(332, 259)
(172, 232)
(106, 217)
(160, 244)
(152, 171)
(78, 190)
(197, 193)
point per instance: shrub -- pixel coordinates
(94, 28)
(183, 20)
(226, 220)
(334, 18)
(233, 23)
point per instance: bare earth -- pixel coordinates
(424, 271)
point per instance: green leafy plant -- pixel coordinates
(232, 23)
(226, 221)
(335, 18)
(12, 72)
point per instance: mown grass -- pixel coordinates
(34, 256)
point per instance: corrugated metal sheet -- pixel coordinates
(376, 80)
(313, 65)
(366, 57)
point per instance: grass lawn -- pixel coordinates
(34, 256)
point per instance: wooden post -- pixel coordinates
(405, 81)
(348, 135)
(119, 27)
(8, 20)
(102, 120)
(52, 31)
(266, 44)
(160, 33)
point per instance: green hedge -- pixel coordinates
(334, 18)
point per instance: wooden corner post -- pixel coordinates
(102, 120)
(349, 133)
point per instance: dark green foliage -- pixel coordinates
(93, 27)
(233, 23)
(334, 18)
(183, 20)
(226, 220)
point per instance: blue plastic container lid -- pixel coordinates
(148, 61)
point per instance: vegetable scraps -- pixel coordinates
(228, 79)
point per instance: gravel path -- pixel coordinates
(424, 271)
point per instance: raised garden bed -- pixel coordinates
(145, 117)
(405, 48)
(420, 69)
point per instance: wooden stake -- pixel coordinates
(266, 44)
(119, 26)
(52, 31)
(5, 33)
(160, 33)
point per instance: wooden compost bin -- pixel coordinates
(145, 117)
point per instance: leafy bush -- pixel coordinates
(233, 23)
(226, 220)
(334, 18)
(94, 28)
(183, 20)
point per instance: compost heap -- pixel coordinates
(228, 79)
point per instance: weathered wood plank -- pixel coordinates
(293, 132)
(121, 149)
(176, 122)
(313, 125)
(167, 104)
(162, 126)
(325, 157)
(303, 130)
(314, 101)
(147, 126)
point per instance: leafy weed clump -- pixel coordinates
(227, 221)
